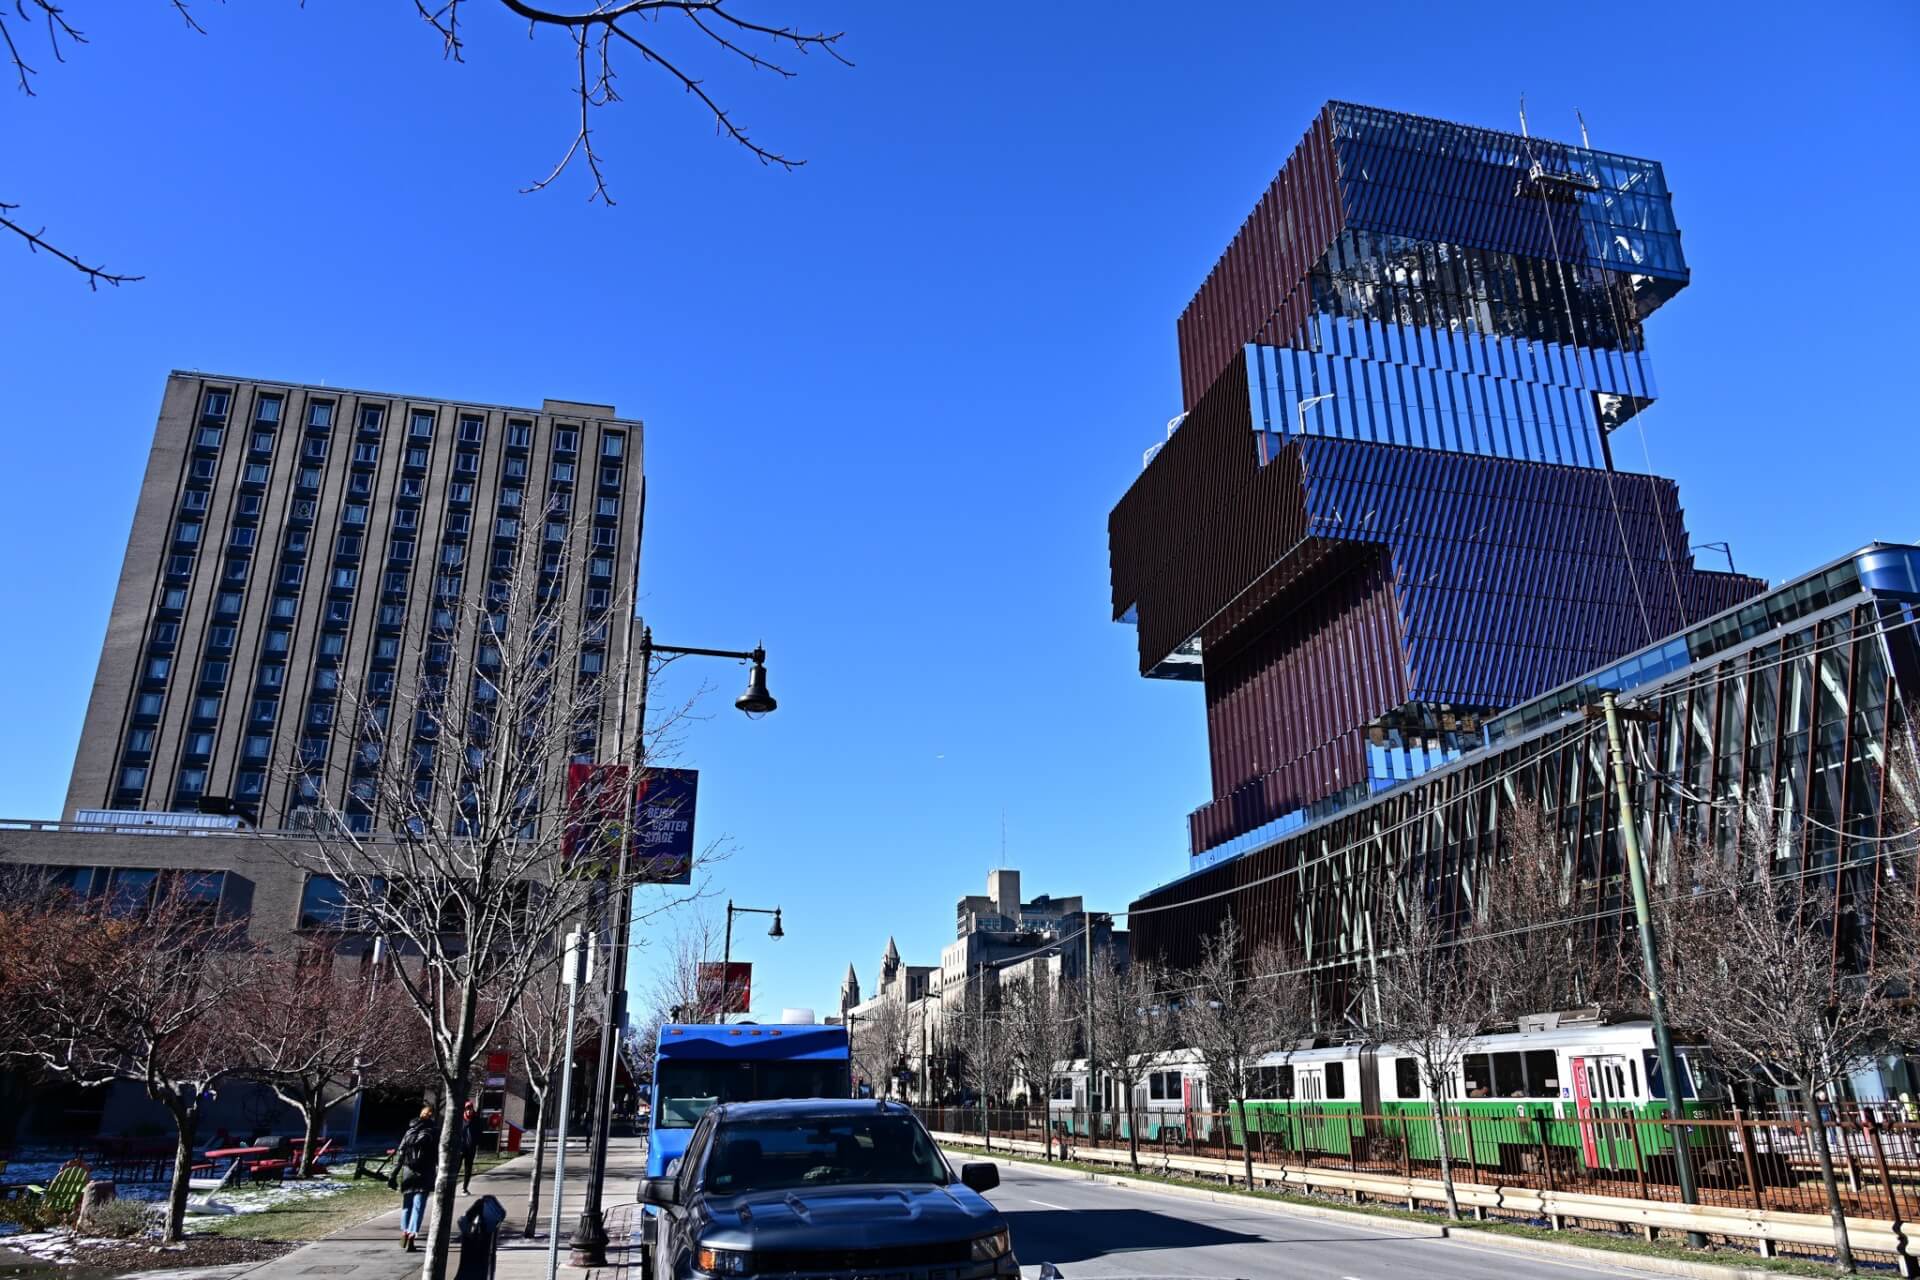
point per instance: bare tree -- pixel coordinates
(1043, 1017)
(1231, 1018)
(1755, 944)
(1131, 1026)
(490, 860)
(141, 989)
(537, 1030)
(1432, 1004)
(1525, 937)
(670, 36)
(319, 1033)
(683, 986)
(879, 1042)
(982, 1045)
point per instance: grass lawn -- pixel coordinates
(310, 1219)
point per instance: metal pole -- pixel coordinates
(1649, 957)
(590, 1234)
(560, 1156)
(980, 1072)
(1093, 1071)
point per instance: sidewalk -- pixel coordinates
(372, 1249)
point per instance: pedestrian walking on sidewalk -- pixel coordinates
(472, 1125)
(413, 1169)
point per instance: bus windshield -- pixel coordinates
(687, 1088)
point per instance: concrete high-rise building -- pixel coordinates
(300, 549)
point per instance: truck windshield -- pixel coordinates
(821, 1151)
(687, 1089)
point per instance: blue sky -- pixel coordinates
(891, 397)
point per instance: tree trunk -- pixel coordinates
(539, 1164)
(186, 1116)
(1133, 1132)
(446, 1185)
(1246, 1140)
(314, 1111)
(1446, 1155)
(1842, 1243)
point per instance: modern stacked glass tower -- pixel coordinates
(1390, 510)
(1389, 538)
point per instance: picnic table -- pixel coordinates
(263, 1162)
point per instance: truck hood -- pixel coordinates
(849, 1217)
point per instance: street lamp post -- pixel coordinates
(589, 1248)
(726, 946)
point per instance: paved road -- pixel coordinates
(1093, 1230)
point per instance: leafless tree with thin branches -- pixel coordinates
(1755, 937)
(1232, 1015)
(537, 1033)
(878, 1040)
(1044, 1019)
(488, 862)
(319, 1033)
(671, 36)
(146, 990)
(1131, 1026)
(981, 1042)
(1432, 1003)
(1525, 939)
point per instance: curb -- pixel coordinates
(1469, 1237)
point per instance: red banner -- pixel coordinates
(725, 988)
(598, 805)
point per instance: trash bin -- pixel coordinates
(480, 1239)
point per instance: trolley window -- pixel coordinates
(1509, 1078)
(1477, 1072)
(1657, 1086)
(1543, 1074)
(1406, 1077)
(1336, 1080)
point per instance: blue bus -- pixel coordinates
(697, 1065)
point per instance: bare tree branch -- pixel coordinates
(36, 241)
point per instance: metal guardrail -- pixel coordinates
(1759, 1177)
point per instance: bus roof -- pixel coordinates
(743, 1041)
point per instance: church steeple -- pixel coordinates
(849, 991)
(889, 964)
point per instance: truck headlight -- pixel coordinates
(988, 1248)
(724, 1262)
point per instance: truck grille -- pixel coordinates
(777, 1261)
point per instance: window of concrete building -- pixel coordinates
(566, 439)
(420, 426)
(320, 415)
(267, 410)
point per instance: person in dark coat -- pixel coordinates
(414, 1162)
(472, 1126)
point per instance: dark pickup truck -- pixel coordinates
(822, 1187)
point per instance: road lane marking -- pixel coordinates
(1046, 1205)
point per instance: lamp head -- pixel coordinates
(756, 701)
(776, 931)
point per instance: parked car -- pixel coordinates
(829, 1186)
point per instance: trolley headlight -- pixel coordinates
(723, 1262)
(989, 1248)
